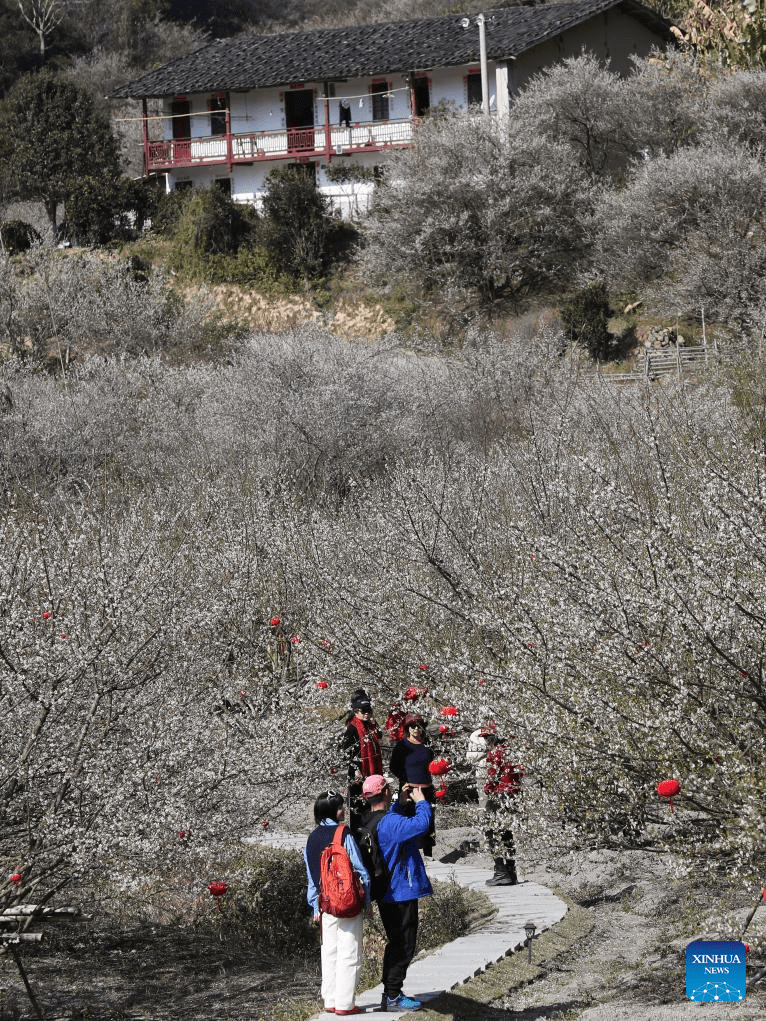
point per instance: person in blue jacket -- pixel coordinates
(399, 835)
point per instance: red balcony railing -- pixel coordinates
(290, 143)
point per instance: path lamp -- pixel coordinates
(480, 21)
(529, 931)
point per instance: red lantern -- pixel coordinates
(182, 834)
(423, 666)
(47, 615)
(16, 878)
(275, 621)
(394, 725)
(668, 789)
(321, 684)
(295, 640)
(439, 767)
(217, 889)
(449, 710)
(444, 729)
(411, 694)
(440, 792)
(265, 824)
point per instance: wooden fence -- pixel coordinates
(657, 363)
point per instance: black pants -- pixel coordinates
(400, 920)
(499, 835)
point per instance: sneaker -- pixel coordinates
(402, 1002)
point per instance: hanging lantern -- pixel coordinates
(423, 666)
(395, 725)
(275, 621)
(439, 767)
(321, 684)
(441, 792)
(668, 789)
(265, 824)
(449, 710)
(411, 694)
(15, 878)
(217, 889)
(444, 729)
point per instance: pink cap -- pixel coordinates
(374, 785)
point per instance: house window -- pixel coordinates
(180, 110)
(307, 169)
(379, 92)
(473, 89)
(223, 184)
(217, 106)
(183, 186)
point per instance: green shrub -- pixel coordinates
(584, 318)
(17, 236)
(249, 265)
(98, 211)
(266, 901)
(211, 226)
(169, 210)
(299, 231)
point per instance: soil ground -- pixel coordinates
(617, 956)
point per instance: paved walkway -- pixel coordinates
(467, 956)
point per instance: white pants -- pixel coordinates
(341, 959)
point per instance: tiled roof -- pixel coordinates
(251, 61)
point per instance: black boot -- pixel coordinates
(505, 874)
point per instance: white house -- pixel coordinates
(235, 109)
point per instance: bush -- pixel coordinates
(168, 211)
(17, 236)
(584, 318)
(266, 902)
(103, 209)
(475, 209)
(689, 230)
(299, 231)
(211, 225)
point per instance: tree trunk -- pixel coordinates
(51, 208)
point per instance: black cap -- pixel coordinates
(360, 700)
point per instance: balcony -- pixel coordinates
(289, 143)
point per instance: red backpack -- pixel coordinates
(341, 892)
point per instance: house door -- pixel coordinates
(299, 120)
(422, 96)
(180, 110)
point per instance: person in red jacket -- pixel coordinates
(362, 748)
(504, 777)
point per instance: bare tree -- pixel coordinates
(43, 16)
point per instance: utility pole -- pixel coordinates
(481, 22)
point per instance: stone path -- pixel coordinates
(467, 956)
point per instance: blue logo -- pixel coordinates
(715, 970)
